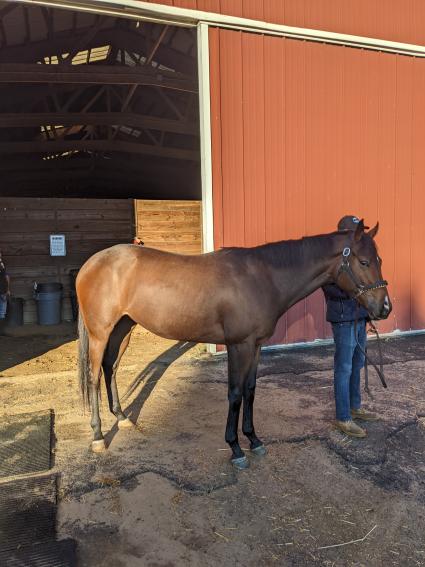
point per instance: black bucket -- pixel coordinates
(15, 312)
(48, 297)
(47, 287)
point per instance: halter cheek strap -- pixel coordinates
(360, 288)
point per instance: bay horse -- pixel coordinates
(233, 296)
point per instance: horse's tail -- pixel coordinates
(83, 361)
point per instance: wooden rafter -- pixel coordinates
(62, 42)
(59, 146)
(156, 45)
(92, 75)
(83, 41)
(26, 120)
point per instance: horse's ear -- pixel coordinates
(359, 231)
(373, 231)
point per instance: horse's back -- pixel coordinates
(192, 297)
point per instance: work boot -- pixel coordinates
(364, 415)
(350, 428)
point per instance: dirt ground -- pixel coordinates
(165, 494)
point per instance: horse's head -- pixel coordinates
(359, 272)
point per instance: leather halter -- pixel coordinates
(360, 288)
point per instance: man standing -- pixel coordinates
(342, 312)
(4, 288)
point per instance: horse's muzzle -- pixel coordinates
(386, 309)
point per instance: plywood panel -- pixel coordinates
(174, 226)
(89, 225)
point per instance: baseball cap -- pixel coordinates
(349, 222)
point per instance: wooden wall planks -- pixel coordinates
(174, 226)
(89, 225)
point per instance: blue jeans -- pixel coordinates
(3, 306)
(348, 361)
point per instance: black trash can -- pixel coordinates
(48, 297)
(15, 312)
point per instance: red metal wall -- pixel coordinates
(304, 133)
(396, 20)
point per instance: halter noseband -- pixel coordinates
(360, 288)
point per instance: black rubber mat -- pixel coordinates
(25, 443)
(27, 512)
(28, 525)
(50, 554)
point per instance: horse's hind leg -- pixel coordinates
(96, 350)
(118, 342)
(240, 359)
(248, 430)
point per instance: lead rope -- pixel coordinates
(380, 370)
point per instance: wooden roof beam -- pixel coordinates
(62, 42)
(93, 75)
(29, 120)
(59, 146)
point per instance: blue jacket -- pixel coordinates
(340, 307)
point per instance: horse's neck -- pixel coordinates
(311, 267)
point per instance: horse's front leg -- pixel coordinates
(248, 430)
(240, 358)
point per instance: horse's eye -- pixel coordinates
(364, 263)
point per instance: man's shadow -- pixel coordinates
(148, 379)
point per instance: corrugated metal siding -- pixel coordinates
(396, 20)
(304, 133)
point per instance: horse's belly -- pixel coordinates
(221, 314)
(178, 318)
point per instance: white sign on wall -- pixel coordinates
(57, 245)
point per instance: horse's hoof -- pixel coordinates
(98, 446)
(125, 424)
(240, 463)
(260, 451)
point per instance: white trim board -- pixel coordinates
(181, 16)
(205, 136)
(325, 342)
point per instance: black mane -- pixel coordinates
(288, 253)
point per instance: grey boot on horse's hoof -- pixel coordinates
(260, 451)
(125, 424)
(98, 446)
(241, 463)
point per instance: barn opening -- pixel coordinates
(99, 141)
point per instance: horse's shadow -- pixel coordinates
(148, 379)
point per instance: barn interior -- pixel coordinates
(99, 140)
(97, 106)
